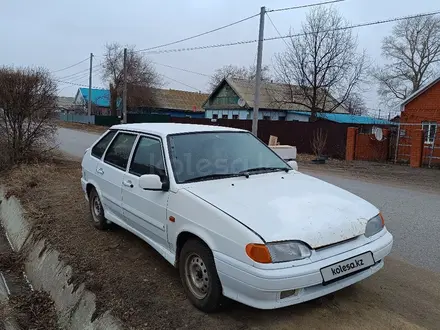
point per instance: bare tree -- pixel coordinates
(355, 104)
(319, 141)
(413, 52)
(27, 107)
(239, 72)
(321, 66)
(141, 76)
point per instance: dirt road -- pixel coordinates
(141, 288)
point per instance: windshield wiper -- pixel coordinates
(214, 177)
(264, 170)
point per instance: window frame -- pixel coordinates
(225, 116)
(136, 144)
(110, 142)
(426, 139)
(129, 156)
(215, 116)
(235, 116)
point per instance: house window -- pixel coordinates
(429, 128)
(266, 117)
(224, 116)
(234, 116)
(215, 116)
(282, 118)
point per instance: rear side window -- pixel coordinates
(119, 151)
(99, 148)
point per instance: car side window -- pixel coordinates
(148, 158)
(99, 148)
(120, 149)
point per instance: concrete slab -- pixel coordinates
(46, 271)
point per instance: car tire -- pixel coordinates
(199, 276)
(97, 211)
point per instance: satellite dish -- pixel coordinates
(378, 133)
(241, 102)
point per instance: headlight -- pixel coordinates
(374, 225)
(288, 251)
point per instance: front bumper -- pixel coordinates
(261, 288)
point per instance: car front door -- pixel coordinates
(146, 210)
(111, 174)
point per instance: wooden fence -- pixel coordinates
(298, 134)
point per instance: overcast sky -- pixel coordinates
(58, 33)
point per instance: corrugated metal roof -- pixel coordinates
(272, 95)
(160, 98)
(344, 118)
(176, 99)
(100, 97)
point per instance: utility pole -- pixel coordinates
(379, 113)
(124, 95)
(258, 73)
(89, 106)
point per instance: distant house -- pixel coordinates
(345, 118)
(100, 100)
(175, 103)
(65, 104)
(234, 99)
(421, 111)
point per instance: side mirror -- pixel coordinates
(153, 182)
(293, 164)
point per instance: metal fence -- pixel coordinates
(74, 118)
(114, 120)
(404, 142)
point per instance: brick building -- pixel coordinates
(420, 126)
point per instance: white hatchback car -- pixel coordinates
(232, 215)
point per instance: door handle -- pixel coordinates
(100, 171)
(128, 183)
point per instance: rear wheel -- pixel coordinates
(97, 211)
(199, 276)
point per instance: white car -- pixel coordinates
(233, 216)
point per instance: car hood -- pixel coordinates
(289, 206)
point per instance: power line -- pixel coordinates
(75, 84)
(179, 82)
(199, 35)
(78, 73)
(273, 24)
(181, 69)
(86, 75)
(306, 6)
(244, 42)
(71, 66)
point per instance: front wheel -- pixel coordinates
(199, 276)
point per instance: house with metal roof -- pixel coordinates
(175, 103)
(234, 99)
(345, 118)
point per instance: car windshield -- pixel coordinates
(214, 155)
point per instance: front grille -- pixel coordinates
(335, 244)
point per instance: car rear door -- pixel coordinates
(145, 210)
(93, 157)
(110, 172)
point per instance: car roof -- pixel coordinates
(164, 129)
